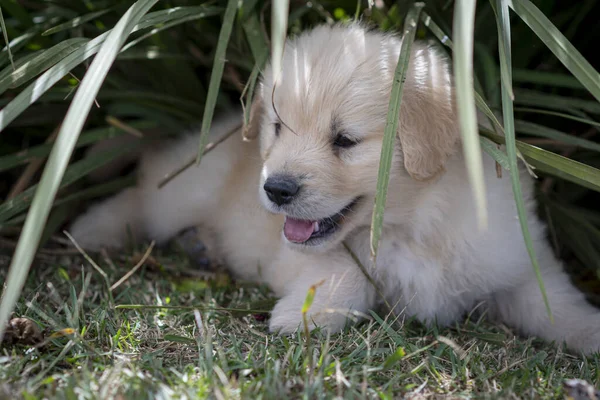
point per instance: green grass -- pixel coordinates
(180, 57)
(148, 352)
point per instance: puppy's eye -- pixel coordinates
(344, 141)
(277, 128)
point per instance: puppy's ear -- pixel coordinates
(428, 125)
(252, 129)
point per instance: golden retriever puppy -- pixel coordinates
(283, 205)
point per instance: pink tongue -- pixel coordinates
(298, 230)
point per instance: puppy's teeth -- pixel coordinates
(316, 226)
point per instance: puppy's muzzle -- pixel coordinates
(281, 189)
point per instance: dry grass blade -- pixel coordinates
(135, 268)
(92, 262)
(207, 149)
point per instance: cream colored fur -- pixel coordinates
(433, 262)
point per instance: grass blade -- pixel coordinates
(550, 79)
(177, 16)
(391, 127)
(492, 149)
(558, 44)
(260, 51)
(16, 44)
(5, 34)
(503, 23)
(573, 105)
(76, 171)
(61, 154)
(464, 16)
(41, 61)
(75, 22)
(216, 75)
(533, 129)
(93, 135)
(558, 114)
(554, 164)
(41, 85)
(279, 21)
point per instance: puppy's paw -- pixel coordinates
(199, 243)
(286, 317)
(586, 342)
(95, 230)
(109, 223)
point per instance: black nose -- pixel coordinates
(281, 189)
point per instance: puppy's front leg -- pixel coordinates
(344, 291)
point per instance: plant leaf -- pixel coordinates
(216, 75)
(464, 15)
(391, 126)
(61, 154)
(503, 23)
(558, 44)
(39, 62)
(554, 164)
(36, 89)
(75, 22)
(531, 128)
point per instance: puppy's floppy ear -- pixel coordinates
(428, 125)
(252, 129)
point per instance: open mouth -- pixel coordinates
(309, 231)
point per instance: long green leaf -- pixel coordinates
(15, 44)
(175, 13)
(556, 102)
(546, 78)
(279, 16)
(177, 16)
(464, 15)
(36, 89)
(559, 114)
(558, 44)
(216, 75)
(479, 101)
(103, 189)
(554, 164)
(258, 45)
(503, 23)
(260, 51)
(76, 171)
(61, 154)
(531, 128)
(391, 126)
(5, 34)
(43, 60)
(75, 22)
(93, 135)
(498, 155)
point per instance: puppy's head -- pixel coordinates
(321, 129)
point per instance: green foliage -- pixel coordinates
(184, 56)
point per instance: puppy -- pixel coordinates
(283, 206)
